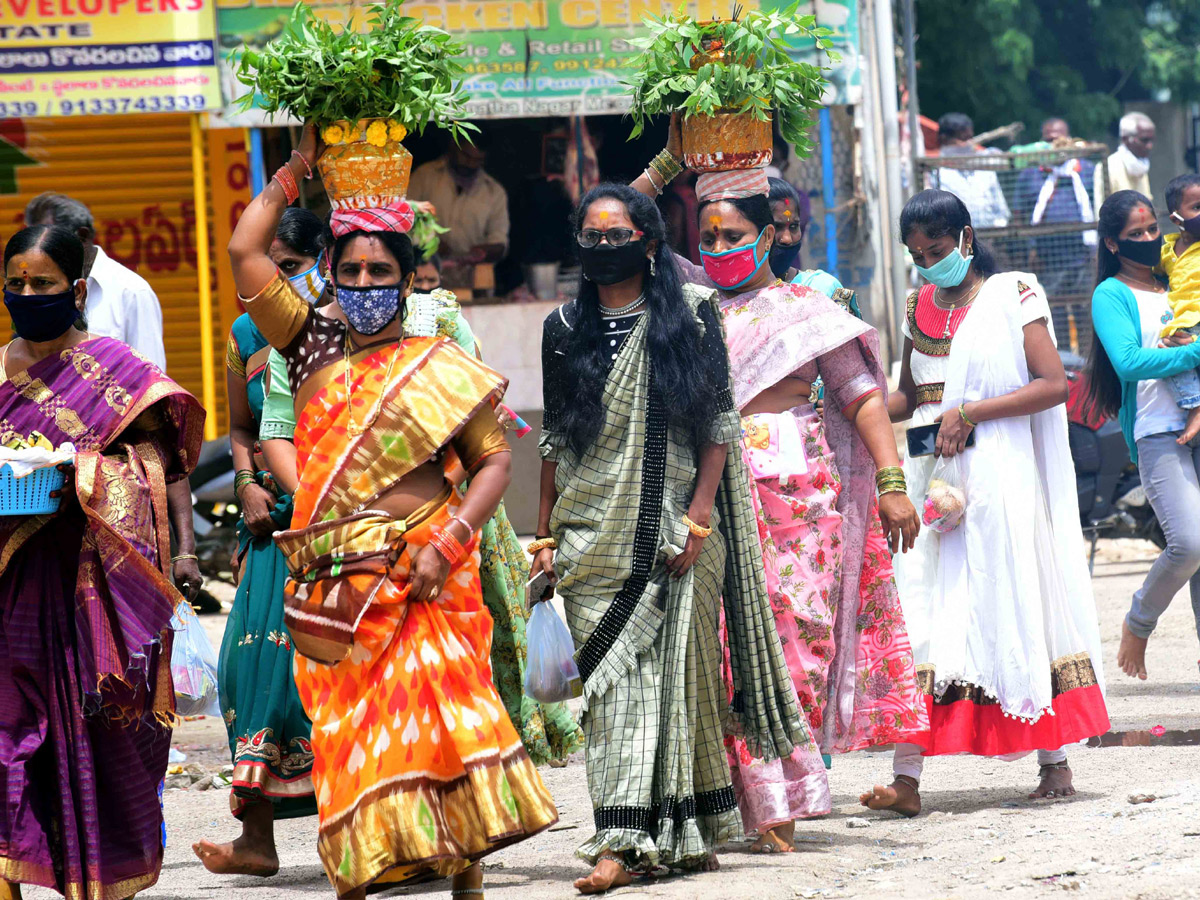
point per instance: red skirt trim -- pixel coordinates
(983, 730)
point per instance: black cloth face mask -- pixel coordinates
(605, 264)
(41, 317)
(783, 258)
(1147, 253)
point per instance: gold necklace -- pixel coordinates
(956, 306)
(353, 428)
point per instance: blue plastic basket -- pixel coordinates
(30, 496)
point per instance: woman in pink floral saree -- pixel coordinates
(825, 550)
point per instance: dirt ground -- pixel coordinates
(1133, 831)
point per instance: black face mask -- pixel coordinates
(41, 317)
(783, 258)
(1147, 253)
(605, 264)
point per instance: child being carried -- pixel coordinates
(1181, 264)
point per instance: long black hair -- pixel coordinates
(941, 213)
(681, 377)
(1103, 383)
(64, 248)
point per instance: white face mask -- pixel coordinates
(1137, 166)
(309, 284)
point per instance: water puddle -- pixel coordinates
(1155, 737)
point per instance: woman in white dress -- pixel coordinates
(999, 610)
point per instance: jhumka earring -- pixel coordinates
(652, 267)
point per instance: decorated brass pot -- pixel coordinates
(364, 165)
(731, 139)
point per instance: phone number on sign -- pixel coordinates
(99, 106)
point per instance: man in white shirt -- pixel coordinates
(1129, 167)
(978, 189)
(468, 201)
(120, 303)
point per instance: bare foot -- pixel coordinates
(1192, 428)
(710, 864)
(609, 873)
(1131, 655)
(776, 840)
(901, 796)
(1056, 782)
(237, 858)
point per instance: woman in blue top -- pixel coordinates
(1128, 373)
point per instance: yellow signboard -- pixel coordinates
(102, 57)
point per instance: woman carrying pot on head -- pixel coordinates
(384, 603)
(1128, 373)
(825, 550)
(1000, 608)
(86, 599)
(548, 731)
(645, 522)
(269, 732)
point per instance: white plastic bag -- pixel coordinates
(193, 666)
(551, 675)
(946, 496)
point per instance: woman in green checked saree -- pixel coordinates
(646, 520)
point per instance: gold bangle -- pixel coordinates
(962, 414)
(541, 544)
(888, 472)
(893, 489)
(668, 165)
(182, 556)
(700, 531)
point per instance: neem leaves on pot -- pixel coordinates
(742, 68)
(399, 70)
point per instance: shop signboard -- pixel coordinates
(531, 57)
(105, 57)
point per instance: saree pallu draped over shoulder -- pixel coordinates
(647, 644)
(85, 688)
(417, 766)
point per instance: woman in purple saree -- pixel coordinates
(86, 699)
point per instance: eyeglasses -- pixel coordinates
(616, 237)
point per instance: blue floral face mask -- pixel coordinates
(370, 309)
(951, 269)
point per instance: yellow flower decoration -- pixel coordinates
(396, 131)
(377, 133)
(353, 134)
(333, 135)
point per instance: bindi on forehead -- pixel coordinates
(714, 221)
(604, 215)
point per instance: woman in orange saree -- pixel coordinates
(86, 699)
(418, 769)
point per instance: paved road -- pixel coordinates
(979, 837)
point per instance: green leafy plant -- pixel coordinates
(758, 73)
(399, 69)
(426, 234)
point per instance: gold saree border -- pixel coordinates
(19, 872)
(416, 823)
(1067, 673)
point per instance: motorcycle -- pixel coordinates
(1112, 501)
